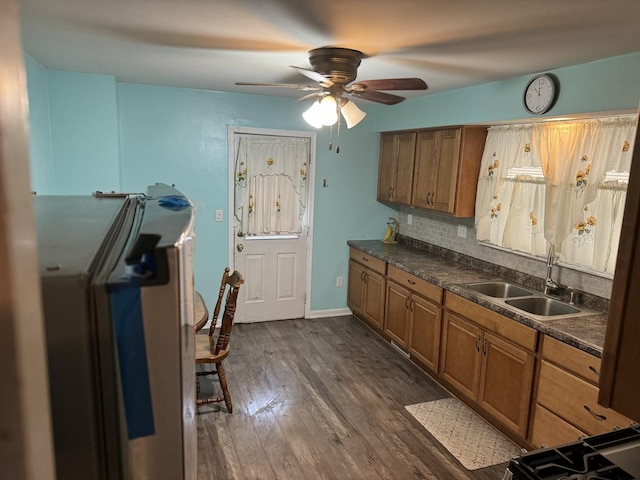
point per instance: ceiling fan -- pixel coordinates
(334, 69)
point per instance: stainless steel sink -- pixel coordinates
(544, 306)
(499, 289)
(526, 302)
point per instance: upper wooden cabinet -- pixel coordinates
(395, 171)
(444, 165)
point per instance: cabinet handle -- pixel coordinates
(411, 304)
(484, 347)
(366, 277)
(428, 199)
(362, 276)
(406, 303)
(593, 369)
(365, 259)
(478, 343)
(597, 416)
(411, 282)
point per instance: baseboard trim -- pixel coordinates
(335, 312)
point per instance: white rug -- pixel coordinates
(470, 439)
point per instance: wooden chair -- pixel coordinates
(214, 351)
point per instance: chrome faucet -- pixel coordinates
(549, 285)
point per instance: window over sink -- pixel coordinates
(561, 183)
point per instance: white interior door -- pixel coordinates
(275, 267)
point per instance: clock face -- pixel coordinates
(540, 94)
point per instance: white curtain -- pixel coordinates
(566, 200)
(575, 159)
(510, 210)
(271, 184)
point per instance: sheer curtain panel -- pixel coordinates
(557, 183)
(271, 184)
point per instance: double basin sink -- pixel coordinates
(515, 297)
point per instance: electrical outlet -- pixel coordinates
(409, 219)
(462, 231)
(219, 215)
(338, 281)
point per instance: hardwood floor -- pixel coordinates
(322, 399)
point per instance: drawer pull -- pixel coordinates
(411, 282)
(593, 369)
(365, 259)
(597, 416)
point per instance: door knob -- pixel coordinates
(240, 247)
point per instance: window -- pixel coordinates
(561, 183)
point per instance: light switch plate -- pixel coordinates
(219, 215)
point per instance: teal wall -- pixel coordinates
(42, 168)
(106, 135)
(609, 84)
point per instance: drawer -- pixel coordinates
(576, 401)
(550, 430)
(418, 285)
(570, 358)
(369, 261)
(492, 321)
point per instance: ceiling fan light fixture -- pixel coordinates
(351, 113)
(313, 115)
(328, 111)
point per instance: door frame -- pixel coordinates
(311, 171)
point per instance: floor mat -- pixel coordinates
(469, 438)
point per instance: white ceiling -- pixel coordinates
(210, 44)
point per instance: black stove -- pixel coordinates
(611, 456)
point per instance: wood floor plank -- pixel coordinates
(322, 399)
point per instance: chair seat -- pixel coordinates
(205, 347)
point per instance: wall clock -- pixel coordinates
(540, 94)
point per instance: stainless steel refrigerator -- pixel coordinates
(118, 305)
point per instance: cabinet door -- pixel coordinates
(355, 291)
(387, 166)
(446, 171)
(460, 364)
(396, 320)
(374, 298)
(506, 382)
(404, 171)
(424, 332)
(550, 430)
(424, 169)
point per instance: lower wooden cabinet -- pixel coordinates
(567, 391)
(413, 315)
(424, 332)
(486, 368)
(398, 313)
(367, 287)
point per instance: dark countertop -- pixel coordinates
(585, 332)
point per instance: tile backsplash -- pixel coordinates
(442, 230)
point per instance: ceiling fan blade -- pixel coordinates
(378, 97)
(391, 84)
(304, 88)
(313, 75)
